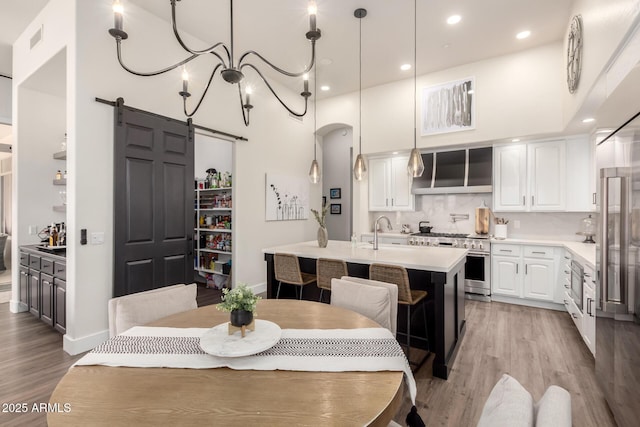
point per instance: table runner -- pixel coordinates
(325, 350)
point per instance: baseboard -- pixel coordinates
(528, 302)
(17, 306)
(75, 346)
(259, 288)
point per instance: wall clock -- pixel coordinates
(574, 53)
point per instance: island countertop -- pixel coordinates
(416, 257)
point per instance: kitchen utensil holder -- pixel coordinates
(501, 231)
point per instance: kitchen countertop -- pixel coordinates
(414, 257)
(388, 234)
(34, 249)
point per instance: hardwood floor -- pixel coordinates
(538, 347)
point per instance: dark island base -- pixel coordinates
(445, 308)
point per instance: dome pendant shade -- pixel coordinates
(360, 168)
(314, 172)
(416, 165)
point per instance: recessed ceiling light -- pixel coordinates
(395, 152)
(453, 19)
(446, 46)
(515, 140)
(324, 88)
(405, 67)
(523, 34)
(589, 120)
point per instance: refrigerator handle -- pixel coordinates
(614, 306)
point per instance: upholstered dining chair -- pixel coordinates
(406, 296)
(327, 269)
(141, 308)
(287, 270)
(373, 300)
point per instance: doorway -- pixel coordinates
(6, 141)
(337, 182)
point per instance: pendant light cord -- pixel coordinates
(415, 68)
(315, 108)
(360, 92)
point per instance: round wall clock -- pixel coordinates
(574, 53)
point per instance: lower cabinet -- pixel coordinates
(524, 272)
(588, 308)
(43, 287)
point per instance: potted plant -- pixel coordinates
(323, 235)
(241, 303)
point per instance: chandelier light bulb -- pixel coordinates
(249, 90)
(185, 80)
(313, 10)
(118, 11)
(305, 77)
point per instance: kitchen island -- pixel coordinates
(439, 271)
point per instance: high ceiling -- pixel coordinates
(276, 29)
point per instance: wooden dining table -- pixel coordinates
(111, 396)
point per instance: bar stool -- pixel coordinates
(287, 270)
(327, 269)
(406, 296)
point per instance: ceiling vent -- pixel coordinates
(36, 38)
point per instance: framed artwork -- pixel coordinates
(335, 193)
(324, 201)
(336, 208)
(448, 107)
(286, 198)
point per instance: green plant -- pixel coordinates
(238, 298)
(321, 217)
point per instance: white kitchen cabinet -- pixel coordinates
(564, 275)
(588, 307)
(523, 272)
(580, 175)
(505, 276)
(390, 184)
(546, 167)
(529, 177)
(510, 177)
(574, 312)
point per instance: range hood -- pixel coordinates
(459, 171)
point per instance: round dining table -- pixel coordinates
(112, 396)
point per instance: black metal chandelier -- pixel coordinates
(230, 69)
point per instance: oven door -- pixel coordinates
(477, 274)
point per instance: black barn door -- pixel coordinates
(153, 207)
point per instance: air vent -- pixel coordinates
(36, 38)
(296, 118)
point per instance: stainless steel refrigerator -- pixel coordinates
(617, 356)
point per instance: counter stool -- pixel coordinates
(327, 269)
(287, 270)
(406, 296)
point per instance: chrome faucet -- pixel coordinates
(375, 230)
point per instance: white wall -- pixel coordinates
(5, 100)
(606, 24)
(93, 71)
(5, 60)
(336, 173)
(211, 152)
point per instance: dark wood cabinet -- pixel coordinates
(43, 287)
(46, 300)
(34, 292)
(60, 305)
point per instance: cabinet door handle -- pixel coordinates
(391, 201)
(533, 200)
(587, 275)
(523, 201)
(526, 270)
(567, 257)
(506, 250)
(575, 316)
(516, 268)
(566, 302)
(538, 252)
(566, 286)
(386, 202)
(594, 198)
(567, 272)
(588, 303)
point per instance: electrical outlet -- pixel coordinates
(97, 238)
(516, 224)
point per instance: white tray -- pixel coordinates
(217, 341)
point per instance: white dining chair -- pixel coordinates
(141, 308)
(373, 299)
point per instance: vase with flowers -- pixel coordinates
(241, 303)
(323, 234)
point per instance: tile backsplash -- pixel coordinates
(436, 208)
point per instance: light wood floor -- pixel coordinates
(538, 347)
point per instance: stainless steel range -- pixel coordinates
(477, 283)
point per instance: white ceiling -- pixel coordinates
(276, 29)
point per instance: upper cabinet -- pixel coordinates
(548, 176)
(390, 184)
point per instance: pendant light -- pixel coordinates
(416, 165)
(360, 166)
(314, 173)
